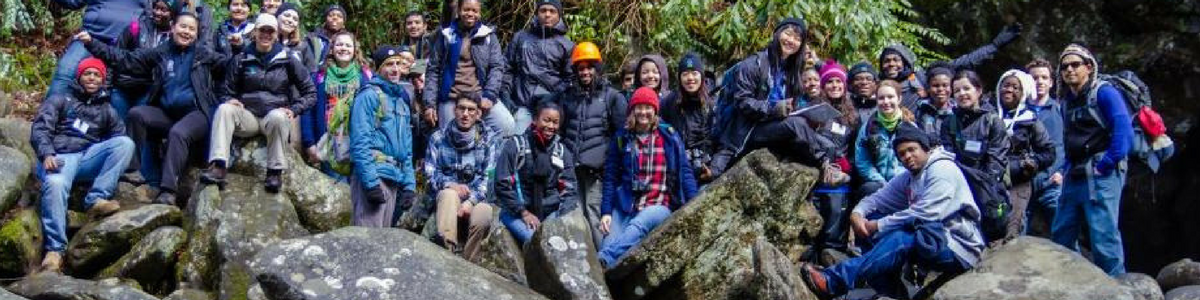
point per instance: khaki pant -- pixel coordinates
(232, 120)
(480, 218)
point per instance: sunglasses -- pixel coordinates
(1072, 65)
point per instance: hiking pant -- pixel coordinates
(148, 125)
(590, 193)
(790, 135)
(480, 220)
(232, 120)
(1019, 195)
(834, 211)
(1043, 203)
(881, 266)
(1092, 200)
(102, 163)
(369, 214)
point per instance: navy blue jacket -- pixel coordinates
(621, 170)
(106, 19)
(489, 62)
(53, 129)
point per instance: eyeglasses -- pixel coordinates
(1072, 65)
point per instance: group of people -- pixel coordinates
(535, 131)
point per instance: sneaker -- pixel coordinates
(103, 208)
(274, 181)
(815, 280)
(165, 197)
(215, 174)
(133, 177)
(52, 262)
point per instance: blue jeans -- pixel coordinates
(522, 118)
(1044, 200)
(1094, 201)
(102, 163)
(627, 231)
(499, 119)
(64, 75)
(880, 268)
(517, 226)
(122, 100)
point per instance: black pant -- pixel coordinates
(148, 125)
(833, 208)
(790, 137)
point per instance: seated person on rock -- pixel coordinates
(381, 142)
(646, 176)
(181, 101)
(535, 175)
(257, 99)
(925, 216)
(77, 136)
(457, 164)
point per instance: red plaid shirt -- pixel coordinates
(652, 170)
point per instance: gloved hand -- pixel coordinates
(1007, 35)
(376, 195)
(407, 199)
(1029, 166)
(782, 108)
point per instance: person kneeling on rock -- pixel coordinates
(925, 216)
(78, 136)
(646, 176)
(535, 175)
(381, 142)
(457, 165)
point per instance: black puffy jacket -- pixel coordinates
(978, 139)
(263, 85)
(539, 63)
(54, 129)
(1029, 140)
(591, 117)
(694, 122)
(205, 64)
(541, 184)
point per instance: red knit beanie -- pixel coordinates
(643, 95)
(88, 63)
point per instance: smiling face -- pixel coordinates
(264, 38)
(789, 41)
(414, 26)
(811, 82)
(892, 65)
(1042, 81)
(395, 68)
(239, 11)
(343, 48)
(864, 84)
(91, 80)
(690, 81)
(888, 99)
(469, 12)
(547, 15)
(939, 89)
(184, 31)
(161, 14)
(644, 118)
(586, 72)
(288, 21)
(1010, 92)
(335, 21)
(648, 75)
(547, 121)
(966, 93)
(834, 88)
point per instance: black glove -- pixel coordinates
(407, 198)
(376, 195)
(1007, 35)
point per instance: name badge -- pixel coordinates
(973, 146)
(81, 126)
(558, 162)
(837, 129)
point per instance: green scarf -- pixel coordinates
(888, 122)
(340, 85)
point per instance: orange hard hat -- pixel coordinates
(585, 51)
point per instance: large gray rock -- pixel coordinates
(561, 262)
(14, 133)
(776, 278)
(20, 243)
(189, 294)
(1181, 273)
(100, 243)
(1142, 286)
(375, 263)
(321, 203)
(6, 295)
(1033, 268)
(706, 245)
(250, 220)
(17, 168)
(1191, 292)
(198, 262)
(500, 253)
(151, 261)
(54, 286)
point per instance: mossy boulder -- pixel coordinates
(150, 262)
(500, 253)
(18, 169)
(321, 203)
(561, 262)
(102, 242)
(54, 286)
(20, 243)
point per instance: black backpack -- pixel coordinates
(992, 199)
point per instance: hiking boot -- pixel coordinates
(103, 208)
(52, 262)
(133, 177)
(165, 197)
(815, 280)
(274, 181)
(215, 174)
